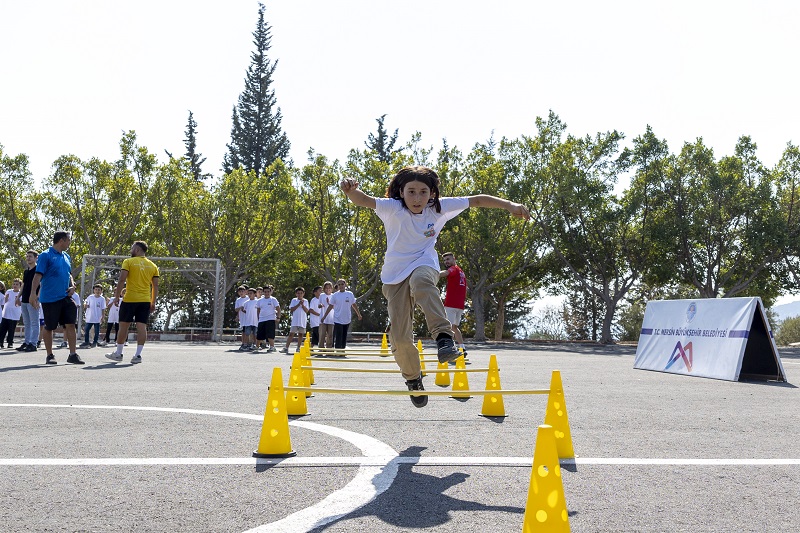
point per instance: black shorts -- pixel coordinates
(266, 330)
(134, 312)
(61, 312)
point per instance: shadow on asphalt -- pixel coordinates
(107, 366)
(416, 500)
(25, 367)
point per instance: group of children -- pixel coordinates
(329, 314)
(94, 307)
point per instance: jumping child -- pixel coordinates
(413, 214)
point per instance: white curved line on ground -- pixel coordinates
(369, 481)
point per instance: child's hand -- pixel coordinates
(348, 184)
(520, 211)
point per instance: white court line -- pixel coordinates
(366, 485)
(382, 461)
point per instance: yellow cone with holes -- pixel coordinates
(305, 351)
(460, 381)
(296, 404)
(546, 510)
(384, 345)
(556, 416)
(299, 360)
(275, 440)
(493, 403)
(442, 378)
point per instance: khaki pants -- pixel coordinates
(326, 335)
(420, 288)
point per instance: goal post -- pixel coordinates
(191, 292)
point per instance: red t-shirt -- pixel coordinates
(456, 288)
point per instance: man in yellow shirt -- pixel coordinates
(139, 276)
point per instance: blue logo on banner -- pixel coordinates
(691, 312)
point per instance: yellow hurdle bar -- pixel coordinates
(360, 354)
(415, 392)
(389, 371)
(390, 361)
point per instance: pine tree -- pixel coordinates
(382, 144)
(257, 139)
(195, 159)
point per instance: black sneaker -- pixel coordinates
(416, 384)
(30, 348)
(74, 359)
(51, 359)
(21, 347)
(447, 350)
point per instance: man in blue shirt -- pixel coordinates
(53, 278)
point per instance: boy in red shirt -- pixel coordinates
(455, 295)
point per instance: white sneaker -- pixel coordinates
(114, 356)
(284, 350)
(136, 359)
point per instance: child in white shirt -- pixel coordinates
(93, 307)
(12, 310)
(299, 310)
(413, 215)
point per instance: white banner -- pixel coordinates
(708, 338)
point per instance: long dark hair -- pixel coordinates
(415, 173)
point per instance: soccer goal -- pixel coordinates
(191, 293)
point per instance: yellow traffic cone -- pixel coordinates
(419, 347)
(493, 403)
(384, 345)
(296, 404)
(546, 509)
(442, 378)
(275, 440)
(460, 381)
(422, 365)
(556, 416)
(299, 360)
(305, 351)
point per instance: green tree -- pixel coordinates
(730, 236)
(103, 204)
(257, 139)
(500, 255)
(195, 159)
(20, 228)
(382, 143)
(787, 190)
(588, 229)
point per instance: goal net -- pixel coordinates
(191, 293)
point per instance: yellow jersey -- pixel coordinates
(141, 272)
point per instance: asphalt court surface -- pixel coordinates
(166, 446)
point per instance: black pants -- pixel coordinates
(340, 335)
(109, 327)
(315, 336)
(7, 329)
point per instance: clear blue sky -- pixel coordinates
(75, 74)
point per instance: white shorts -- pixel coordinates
(454, 315)
(297, 329)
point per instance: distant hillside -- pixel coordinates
(789, 310)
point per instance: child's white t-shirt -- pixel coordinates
(342, 306)
(325, 300)
(240, 301)
(94, 311)
(11, 311)
(315, 306)
(299, 315)
(410, 238)
(113, 310)
(268, 308)
(250, 312)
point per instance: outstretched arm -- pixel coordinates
(486, 200)
(350, 188)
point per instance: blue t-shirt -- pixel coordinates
(55, 268)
